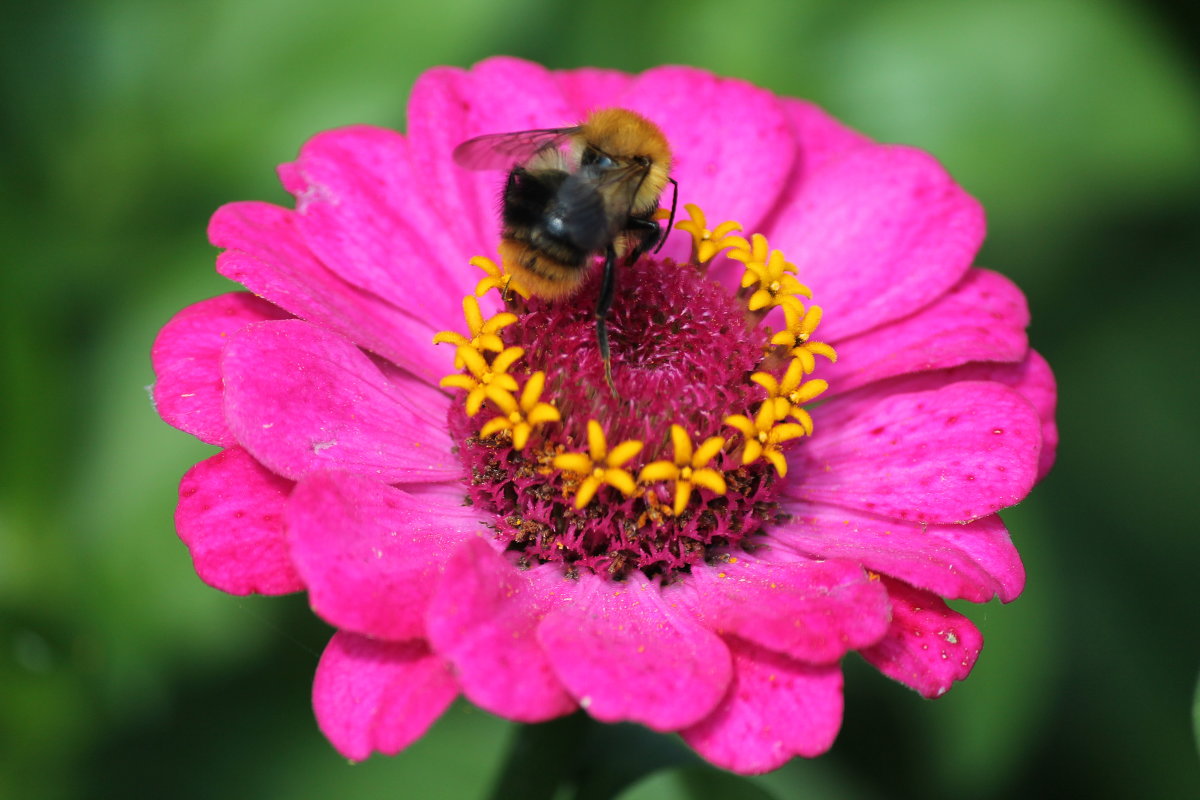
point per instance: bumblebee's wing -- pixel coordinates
(505, 150)
(618, 185)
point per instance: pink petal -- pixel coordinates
(186, 357)
(1034, 380)
(877, 233)
(925, 452)
(732, 142)
(591, 88)
(819, 138)
(822, 138)
(974, 562)
(776, 708)
(303, 399)
(370, 554)
(267, 254)
(230, 516)
(483, 619)
(928, 646)
(983, 318)
(371, 696)
(809, 610)
(360, 210)
(626, 653)
(449, 106)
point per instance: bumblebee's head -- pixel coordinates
(627, 137)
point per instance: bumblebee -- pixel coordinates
(576, 193)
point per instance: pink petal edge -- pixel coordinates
(358, 212)
(626, 654)
(483, 618)
(775, 709)
(266, 253)
(812, 611)
(371, 554)
(372, 696)
(929, 646)
(922, 450)
(975, 562)
(878, 233)
(187, 362)
(230, 516)
(1035, 382)
(982, 318)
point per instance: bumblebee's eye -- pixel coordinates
(594, 158)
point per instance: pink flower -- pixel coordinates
(510, 555)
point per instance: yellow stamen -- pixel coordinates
(689, 469)
(496, 278)
(774, 277)
(707, 243)
(483, 375)
(800, 326)
(484, 333)
(520, 417)
(763, 437)
(789, 394)
(598, 466)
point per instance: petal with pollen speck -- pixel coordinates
(188, 392)
(936, 453)
(975, 562)
(928, 646)
(814, 611)
(302, 399)
(625, 653)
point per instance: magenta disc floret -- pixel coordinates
(651, 475)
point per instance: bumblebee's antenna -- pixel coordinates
(671, 220)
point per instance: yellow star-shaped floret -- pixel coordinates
(764, 437)
(484, 333)
(775, 278)
(483, 374)
(689, 469)
(496, 278)
(520, 417)
(800, 326)
(789, 394)
(707, 243)
(599, 466)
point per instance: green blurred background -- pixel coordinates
(126, 122)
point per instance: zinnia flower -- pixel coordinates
(483, 517)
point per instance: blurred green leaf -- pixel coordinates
(695, 783)
(1196, 714)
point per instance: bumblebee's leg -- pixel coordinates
(648, 234)
(608, 288)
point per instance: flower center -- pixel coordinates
(682, 464)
